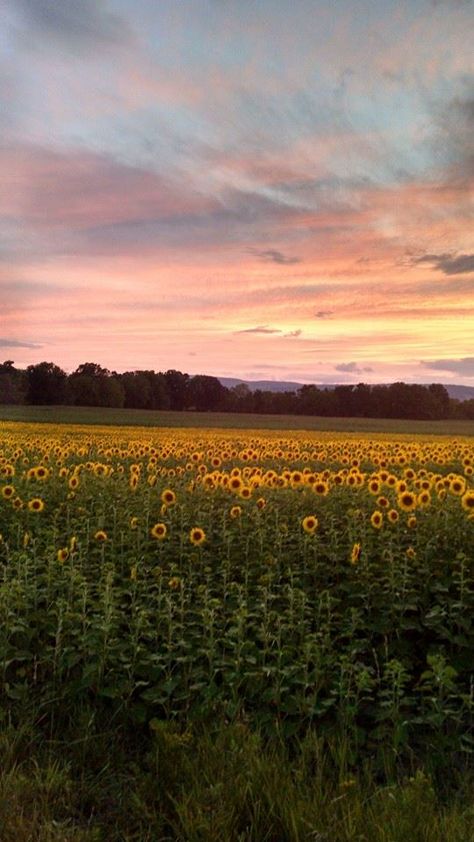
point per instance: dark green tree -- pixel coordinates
(46, 384)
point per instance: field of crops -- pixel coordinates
(282, 581)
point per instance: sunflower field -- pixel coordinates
(282, 580)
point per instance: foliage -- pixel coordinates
(187, 579)
(92, 385)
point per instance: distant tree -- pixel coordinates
(441, 400)
(160, 398)
(205, 393)
(92, 385)
(177, 388)
(344, 401)
(238, 398)
(312, 401)
(137, 389)
(13, 384)
(46, 384)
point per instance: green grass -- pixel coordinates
(228, 420)
(100, 783)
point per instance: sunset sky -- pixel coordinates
(265, 189)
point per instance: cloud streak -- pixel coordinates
(463, 367)
(450, 264)
(274, 256)
(353, 368)
(263, 329)
(12, 343)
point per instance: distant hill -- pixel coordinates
(461, 393)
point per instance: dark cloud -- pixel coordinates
(13, 343)
(274, 256)
(448, 263)
(259, 329)
(80, 24)
(353, 368)
(463, 367)
(453, 141)
(324, 314)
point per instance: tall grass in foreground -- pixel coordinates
(100, 783)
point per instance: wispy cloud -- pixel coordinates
(259, 329)
(324, 314)
(80, 24)
(353, 368)
(274, 256)
(463, 367)
(13, 343)
(449, 264)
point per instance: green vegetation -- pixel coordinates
(228, 420)
(235, 635)
(92, 385)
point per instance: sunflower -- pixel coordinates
(159, 531)
(8, 491)
(36, 504)
(383, 502)
(168, 497)
(377, 519)
(457, 486)
(73, 482)
(411, 522)
(133, 522)
(310, 524)
(62, 555)
(235, 484)
(41, 473)
(355, 553)
(100, 535)
(411, 553)
(197, 536)
(321, 487)
(407, 501)
(174, 583)
(235, 512)
(374, 486)
(17, 503)
(424, 499)
(245, 492)
(467, 501)
(393, 516)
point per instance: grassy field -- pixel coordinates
(227, 420)
(240, 635)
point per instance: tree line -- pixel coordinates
(92, 385)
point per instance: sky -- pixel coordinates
(263, 189)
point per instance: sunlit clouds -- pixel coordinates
(240, 189)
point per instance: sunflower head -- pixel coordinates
(355, 553)
(36, 504)
(197, 536)
(168, 497)
(310, 524)
(377, 519)
(158, 531)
